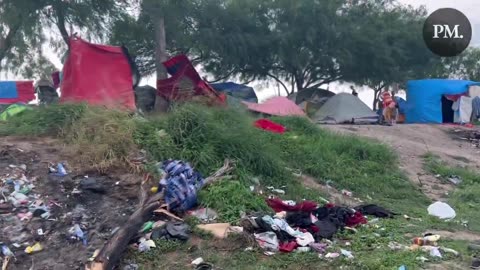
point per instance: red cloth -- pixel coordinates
(288, 247)
(387, 99)
(356, 220)
(269, 125)
(278, 206)
(98, 75)
(314, 229)
(279, 106)
(185, 82)
(455, 97)
(25, 91)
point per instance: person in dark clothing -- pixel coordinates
(354, 92)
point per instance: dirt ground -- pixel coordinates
(98, 213)
(411, 142)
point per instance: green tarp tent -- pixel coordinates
(12, 110)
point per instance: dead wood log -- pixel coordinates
(112, 251)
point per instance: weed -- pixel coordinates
(230, 199)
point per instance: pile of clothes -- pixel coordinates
(302, 226)
(180, 183)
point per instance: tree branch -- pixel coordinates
(7, 42)
(278, 81)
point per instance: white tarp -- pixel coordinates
(463, 110)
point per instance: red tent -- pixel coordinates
(185, 82)
(98, 75)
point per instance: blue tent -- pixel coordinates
(424, 98)
(239, 91)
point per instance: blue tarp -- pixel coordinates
(8, 89)
(402, 104)
(424, 98)
(240, 91)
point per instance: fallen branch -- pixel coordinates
(111, 252)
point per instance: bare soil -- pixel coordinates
(99, 213)
(412, 142)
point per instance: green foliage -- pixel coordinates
(52, 120)
(230, 199)
(207, 136)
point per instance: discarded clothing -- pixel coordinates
(356, 220)
(278, 206)
(319, 247)
(269, 125)
(299, 219)
(218, 230)
(305, 239)
(288, 246)
(267, 241)
(173, 230)
(326, 229)
(181, 185)
(374, 210)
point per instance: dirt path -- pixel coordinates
(411, 142)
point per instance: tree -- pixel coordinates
(465, 66)
(383, 47)
(19, 31)
(22, 23)
(161, 29)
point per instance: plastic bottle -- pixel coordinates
(61, 170)
(7, 252)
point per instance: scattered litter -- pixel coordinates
(454, 179)
(204, 266)
(279, 191)
(147, 226)
(267, 241)
(197, 261)
(305, 239)
(441, 210)
(475, 264)
(204, 214)
(154, 189)
(332, 255)
(347, 254)
(35, 248)
(449, 250)
(303, 249)
(7, 252)
(95, 254)
(131, 266)
(219, 230)
(248, 249)
(347, 193)
(422, 259)
(145, 245)
(435, 252)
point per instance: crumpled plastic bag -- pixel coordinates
(267, 241)
(441, 210)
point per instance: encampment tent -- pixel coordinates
(16, 91)
(344, 108)
(98, 74)
(239, 91)
(434, 100)
(311, 99)
(12, 110)
(278, 106)
(186, 83)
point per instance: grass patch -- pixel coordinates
(230, 199)
(464, 199)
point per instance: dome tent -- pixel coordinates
(344, 108)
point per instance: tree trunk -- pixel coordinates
(61, 23)
(376, 97)
(160, 48)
